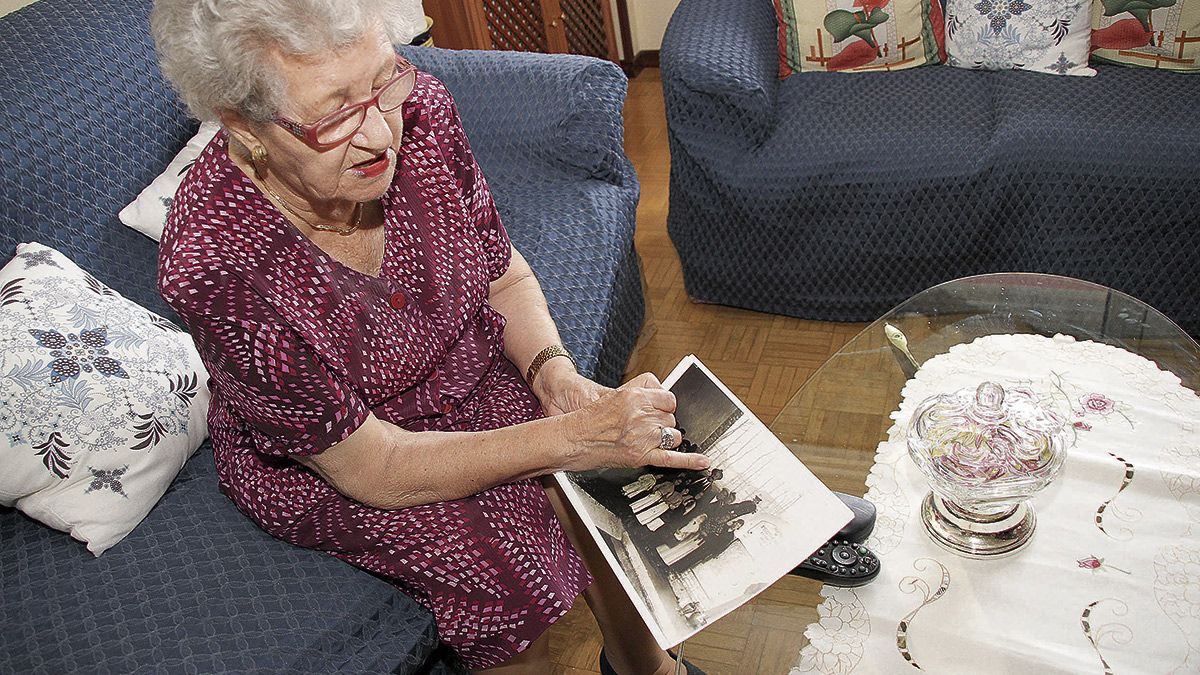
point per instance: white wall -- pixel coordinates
(7, 6)
(648, 21)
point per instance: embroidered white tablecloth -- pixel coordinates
(1111, 580)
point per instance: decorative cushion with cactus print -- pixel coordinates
(101, 401)
(1043, 36)
(858, 35)
(1148, 33)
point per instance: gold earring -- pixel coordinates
(258, 157)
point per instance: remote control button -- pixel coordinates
(844, 555)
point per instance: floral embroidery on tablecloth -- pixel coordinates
(1093, 563)
(1181, 474)
(1097, 403)
(884, 490)
(835, 642)
(1177, 590)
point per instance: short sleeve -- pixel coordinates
(477, 195)
(261, 369)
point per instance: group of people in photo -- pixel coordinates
(685, 517)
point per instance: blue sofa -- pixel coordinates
(837, 196)
(86, 121)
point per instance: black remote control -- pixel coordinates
(859, 527)
(840, 563)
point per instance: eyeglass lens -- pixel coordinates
(391, 96)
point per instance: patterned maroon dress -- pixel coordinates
(300, 348)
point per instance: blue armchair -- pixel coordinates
(837, 196)
(86, 121)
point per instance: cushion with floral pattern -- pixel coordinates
(1043, 36)
(101, 401)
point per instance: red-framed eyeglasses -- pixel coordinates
(337, 127)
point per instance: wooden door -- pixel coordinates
(518, 25)
(588, 28)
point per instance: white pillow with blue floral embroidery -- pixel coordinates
(101, 401)
(1044, 36)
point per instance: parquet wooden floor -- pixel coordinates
(763, 358)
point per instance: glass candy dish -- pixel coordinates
(986, 452)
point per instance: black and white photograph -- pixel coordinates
(691, 546)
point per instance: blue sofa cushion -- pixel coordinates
(197, 586)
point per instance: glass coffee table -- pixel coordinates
(837, 419)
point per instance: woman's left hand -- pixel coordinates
(561, 389)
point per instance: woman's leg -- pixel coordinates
(630, 647)
(535, 660)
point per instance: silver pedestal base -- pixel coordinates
(975, 536)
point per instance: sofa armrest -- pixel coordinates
(520, 108)
(720, 67)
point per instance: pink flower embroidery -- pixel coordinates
(1083, 426)
(1093, 563)
(1098, 403)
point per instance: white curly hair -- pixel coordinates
(216, 53)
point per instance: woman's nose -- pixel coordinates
(375, 131)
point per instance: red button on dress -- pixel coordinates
(398, 301)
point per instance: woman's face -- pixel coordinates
(358, 170)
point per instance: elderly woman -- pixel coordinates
(365, 321)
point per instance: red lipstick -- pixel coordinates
(374, 167)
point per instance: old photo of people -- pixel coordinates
(691, 546)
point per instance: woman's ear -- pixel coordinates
(239, 129)
(245, 142)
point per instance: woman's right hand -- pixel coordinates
(623, 429)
